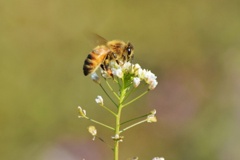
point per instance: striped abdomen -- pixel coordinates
(95, 59)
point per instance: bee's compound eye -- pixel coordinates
(129, 49)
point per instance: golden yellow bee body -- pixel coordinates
(102, 55)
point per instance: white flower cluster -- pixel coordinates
(136, 71)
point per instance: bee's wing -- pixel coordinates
(95, 39)
(99, 39)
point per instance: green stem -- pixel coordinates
(109, 110)
(135, 98)
(112, 90)
(117, 130)
(135, 124)
(118, 117)
(108, 95)
(102, 124)
(136, 118)
(128, 94)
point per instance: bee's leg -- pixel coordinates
(106, 66)
(108, 70)
(103, 67)
(105, 63)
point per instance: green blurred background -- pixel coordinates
(192, 46)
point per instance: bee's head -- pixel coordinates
(129, 50)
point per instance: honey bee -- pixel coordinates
(103, 54)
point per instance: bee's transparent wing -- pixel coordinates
(96, 39)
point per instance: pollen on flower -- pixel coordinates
(99, 100)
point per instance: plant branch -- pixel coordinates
(135, 98)
(108, 95)
(136, 118)
(135, 124)
(102, 124)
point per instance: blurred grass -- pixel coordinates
(192, 46)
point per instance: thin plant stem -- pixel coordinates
(108, 95)
(105, 142)
(118, 82)
(135, 98)
(135, 124)
(128, 94)
(102, 124)
(136, 118)
(112, 90)
(109, 110)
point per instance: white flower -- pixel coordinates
(105, 74)
(126, 67)
(93, 131)
(136, 68)
(99, 100)
(133, 71)
(152, 84)
(95, 78)
(158, 158)
(149, 77)
(151, 118)
(114, 64)
(153, 112)
(141, 73)
(117, 72)
(136, 81)
(82, 112)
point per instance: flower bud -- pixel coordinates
(136, 81)
(93, 131)
(82, 112)
(153, 112)
(126, 67)
(152, 85)
(117, 72)
(99, 100)
(151, 118)
(95, 78)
